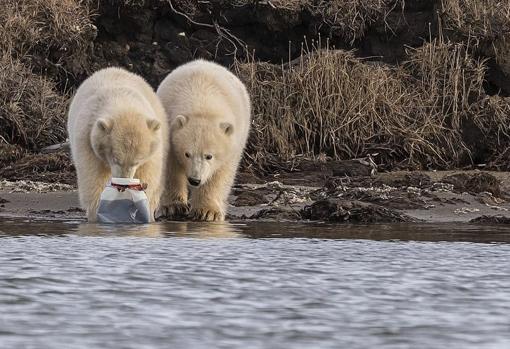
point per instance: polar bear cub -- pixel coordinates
(209, 114)
(117, 128)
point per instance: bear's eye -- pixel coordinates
(187, 154)
(208, 157)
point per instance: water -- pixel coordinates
(184, 285)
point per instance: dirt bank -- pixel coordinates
(382, 198)
(416, 84)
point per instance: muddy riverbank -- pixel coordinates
(315, 195)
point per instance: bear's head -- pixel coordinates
(125, 141)
(201, 146)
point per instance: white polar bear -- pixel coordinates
(209, 114)
(117, 128)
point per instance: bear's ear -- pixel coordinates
(153, 124)
(180, 121)
(227, 127)
(105, 125)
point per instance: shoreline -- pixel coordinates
(392, 197)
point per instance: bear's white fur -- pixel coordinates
(117, 128)
(209, 114)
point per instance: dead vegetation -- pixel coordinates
(430, 111)
(483, 20)
(484, 24)
(350, 19)
(46, 34)
(330, 102)
(10, 153)
(32, 112)
(54, 168)
(40, 41)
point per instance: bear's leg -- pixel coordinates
(150, 173)
(174, 202)
(92, 178)
(209, 201)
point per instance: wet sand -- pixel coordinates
(418, 196)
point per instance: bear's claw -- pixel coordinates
(204, 214)
(176, 209)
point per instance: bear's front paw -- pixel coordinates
(207, 214)
(176, 209)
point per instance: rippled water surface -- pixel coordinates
(256, 285)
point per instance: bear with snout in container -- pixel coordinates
(117, 128)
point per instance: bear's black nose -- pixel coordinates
(193, 181)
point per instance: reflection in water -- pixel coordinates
(140, 230)
(397, 232)
(199, 230)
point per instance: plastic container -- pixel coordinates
(124, 201)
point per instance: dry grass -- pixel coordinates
(53, 168)
(498, 122)
(32, 112)
(449, 80)
(449, 83)
(453, 83)
(46, 33)
(350, 18)
(292, 5)
(484, 20)
(346, 18)
(483, 24)
(38, 36)
(495, 123)
(330, 102)
(10, 153)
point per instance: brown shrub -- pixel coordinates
(331, 102)
(452, 78)
(10, 153)
(483, 20)
(32, 112)
(350, 18)
(294, 5)
(450, 84)
(55, 167)
(497, 118)
(46, 33)
(484, 24)
(495, 123)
